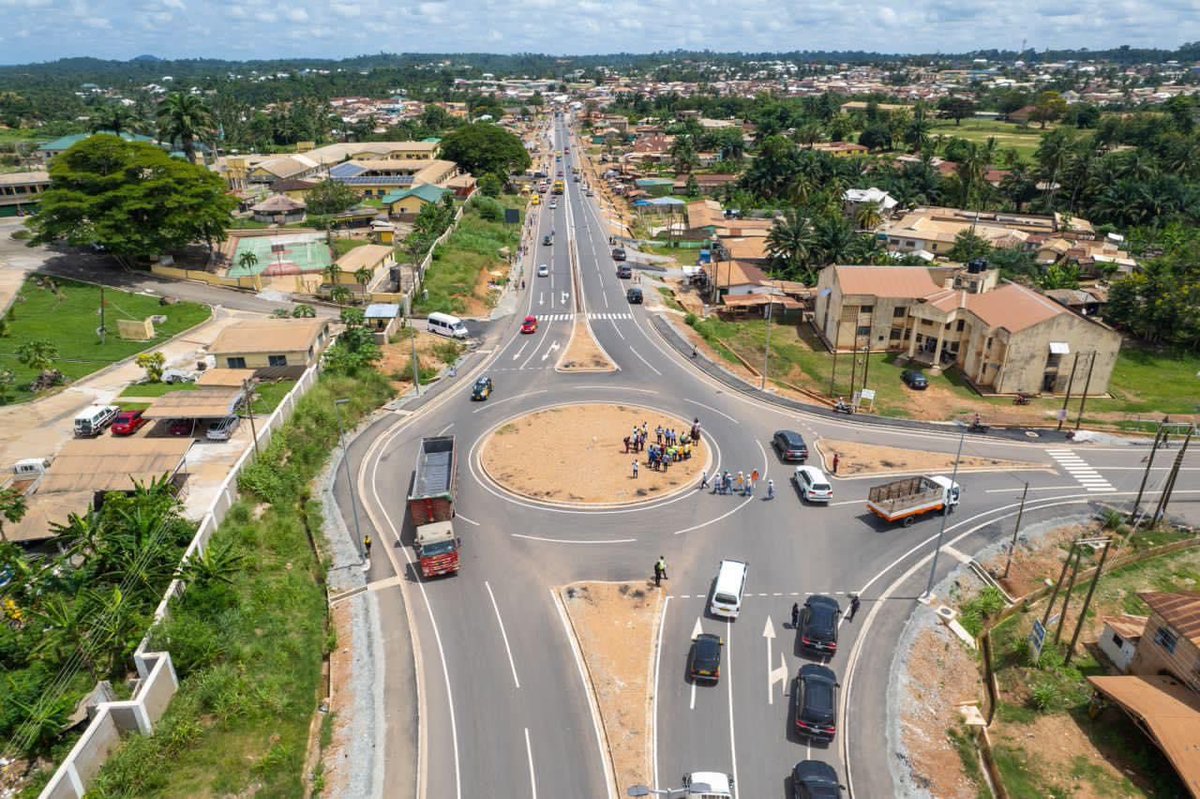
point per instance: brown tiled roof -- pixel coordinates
(1181, 610)
(268, 335)
(886, 281)
(1013, 307)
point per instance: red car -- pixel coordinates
(183, 427)
(127, 423)
(529, 325)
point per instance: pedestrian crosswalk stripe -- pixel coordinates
(610, 316)
(1077, 467)
(555, 317)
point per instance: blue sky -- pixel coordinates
(38, 30)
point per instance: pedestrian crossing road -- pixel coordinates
(1075, 466)
(566, 317)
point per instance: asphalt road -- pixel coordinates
(504, 707)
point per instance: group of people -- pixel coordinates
(669, 445)
(741, 484)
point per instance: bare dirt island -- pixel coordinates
(855, 458)
(584, 353)
(616, 625)
(575, 455)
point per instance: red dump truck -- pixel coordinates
(904, 500)
(431, 505)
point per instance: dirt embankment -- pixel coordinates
(584, 353)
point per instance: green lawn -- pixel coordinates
(155, 389)
(1153, 383)
(1024, 140)
(67, 315)
(686, 256)
(472, 248)
(270, 395)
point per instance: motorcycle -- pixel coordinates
(977, 427)
(1022, 398)
(843, 407)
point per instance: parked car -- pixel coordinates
(529, 325)
(819, 624)
(547, 240)
(482, 388)
(618, 254)
(914, 379)
(222, 429)
(178, 376)
(814, 702)
(812, 779)
(128, 422)
(624, 271)
(789, 446)
(182, 427)
(704, 662)
(634, 296)
(543, 270)
(812, 484)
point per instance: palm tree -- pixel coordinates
(835, 239)
(332, 273)
(304, 311)
(868, 217)
(340, 295)
(247, 261)
(363, 276)
(917, 133)
(114, 119)
(1052, 155)
(790, 243)
(185, 117)
(217, 563)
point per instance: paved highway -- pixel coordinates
(503, 700)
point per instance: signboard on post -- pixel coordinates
(512, 216)
(867, 395)
(1037, 639)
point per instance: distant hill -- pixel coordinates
(146, 58)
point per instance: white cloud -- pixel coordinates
(296, 15)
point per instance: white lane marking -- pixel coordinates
(550, 351)
(603, 293)
(643, 360)
(852, 502)
(692, 705)
(729, 682)
(711, 408)
(493, 403)
(570, 541)
(532, 777)
(1078, 468)
(727, 513)
(459, 516)
(444, 429)
(545, 339)
(1031, 488)
(766, 461)
(587, 687)
(517, 354)
(503, 634)
(769, 634)
(617, 328)
(662, 622)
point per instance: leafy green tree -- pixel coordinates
(304, 311)
(12, 508)
(692, 188)
(1048, 107)
(185, 117)
(483, 148)
(8, 386)
(490, 185)
(153, 363)
(132, 199)
(354, 349)
(330, 197)
(114, 118)
(247, 260)
(37, 354)
(683, 154)
(917, 134)
(1059, 276)
(353, 317)
(340, 295)
(791, 244)
(956, 108)
(968, 246)
(876, 136)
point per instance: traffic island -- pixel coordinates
(584, 353)
(616, 625)
(575, 455)
(854, 458)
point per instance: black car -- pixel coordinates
(547, 240)
(814, 702)
(482, 388)
(624, 271)
(914, 379)
(819, 624)
(790, 446)
(812, 779)
(705, 660)
(618, 254)
(634, 296)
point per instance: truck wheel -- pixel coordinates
(908, 521)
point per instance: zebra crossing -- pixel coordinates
(567, 317)
(613, 316)
(1078, 468)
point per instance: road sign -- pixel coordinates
(512, 216)
(867, 394)
(1037, 639)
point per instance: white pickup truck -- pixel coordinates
(708, 785)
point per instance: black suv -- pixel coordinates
(705, 659)
(819, 624)
(546, 240)
(812, 779)
(790, 446)
(618, 254)
(914, 379)
(634, 296)
(814, 702)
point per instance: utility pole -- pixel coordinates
(1137, 503)
(1078, 548)
(1169, 488)
(1016, 530)
(767, 350)
(945, 515)
(1062, 417)
(853, 365)
(867, 362)
(415, 367)
(1087, 601)
(1086, 385)
(1057, 586)
(248, 399)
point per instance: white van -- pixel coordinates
(92, 420)
(446, 325)
(708, 785)
(727, 590)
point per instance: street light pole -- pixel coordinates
(358, 539)
(945, 516)
(767, 350)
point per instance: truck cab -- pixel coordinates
(437, 549)
(708, 785)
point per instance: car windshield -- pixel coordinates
(440, 548)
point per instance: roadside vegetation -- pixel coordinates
(59, 318)
(247, 638)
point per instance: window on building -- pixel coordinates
(896, 334)
(961, 324)
(1166, 638)
(1118, 640)
(277, 360)
(910, 243)
(236, 363)
(899, 313)
(867, 309)
(863, 331)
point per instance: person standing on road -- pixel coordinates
(661, 566)
(367, 546)
(659, 572)
(635, 468)
(703, 478)
(795, 615)
(854, 603)
(835, 462)
(770, 489)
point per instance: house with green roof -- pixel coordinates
(405, 204)
(64, 143)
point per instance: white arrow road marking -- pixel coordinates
(769, 634)
(541, 297)
(692, 706)
(565, 296)
(517, 354)
(548, 352)
(779, 675)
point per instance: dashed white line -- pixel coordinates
(503, 634)
(711, 408)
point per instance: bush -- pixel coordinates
(690, 319)
(488, 209)
(974, 614)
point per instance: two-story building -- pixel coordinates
(377, 178)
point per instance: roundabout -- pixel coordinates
(583, 454)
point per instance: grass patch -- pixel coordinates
(1024, 140)
(248, 651)
(1020, 775)
(342, 246)
(686, 256)
(67, 315)
(668, 296)
(964, 745)
(155, 389)
(473, 248)
(248, 224)
(269, 395)
(1154, 383)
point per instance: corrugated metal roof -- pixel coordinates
(268, 335)
(203, 403)
(1181, 610)
(113, 464)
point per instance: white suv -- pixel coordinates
(222, 429)
(814, 486)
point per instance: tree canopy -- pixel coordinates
(131, 199)
(483, 148)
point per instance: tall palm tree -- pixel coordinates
(868, 217)
(185, 117)
(790, 243)
(114, 119)
(1052, 155)
(247, 260)
(917, 134)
